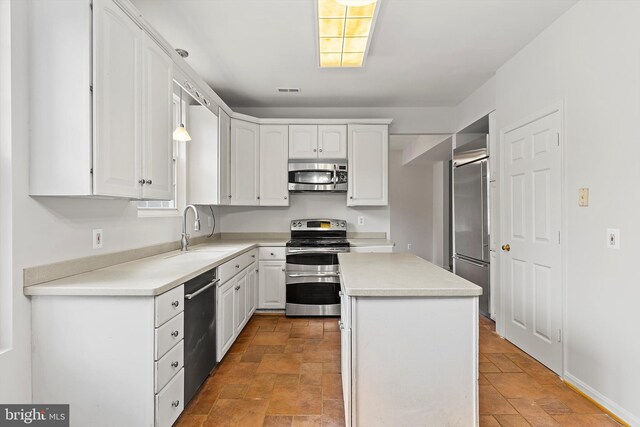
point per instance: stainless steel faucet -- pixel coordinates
(184, 242)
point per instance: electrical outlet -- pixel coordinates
(613, 238)
(97, 238)
(360, 220)
(408, 246)
(583, 197)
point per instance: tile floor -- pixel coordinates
(286, 372)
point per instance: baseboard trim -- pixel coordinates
(604, 403)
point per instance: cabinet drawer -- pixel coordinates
(169, 402)
(169, 335)
(252, 256)
(230, 268)
(169, 365)
(169, 304)
(272, 253)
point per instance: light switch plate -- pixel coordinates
(613, 238)
(97, 238)
(583, 197)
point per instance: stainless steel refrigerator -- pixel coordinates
(471, 215)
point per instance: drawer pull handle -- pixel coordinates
(175, 403)
(175, 364)
(175, 303)
(175, 333)
(272, 254)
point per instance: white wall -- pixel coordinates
(411, 202)
(277, 219)
(477, 105)
(46, 230)
(410, 120)
(590, 59)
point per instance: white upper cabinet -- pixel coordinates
(368, 156)
(202, 156)
(224, 147)
(332, 141)
(100, 113)
(245, 163)
(157, 140)
(303, 141)
(274, 145)
(312, 142)
(118, 102)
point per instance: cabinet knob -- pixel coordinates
(141, 182)
(253, 256)
(229, 195)
(314, 150)
(258, 197)
(351, 197)
(175, 303)
(237, 288)
(272, 254)
(149, 182)
(175, 364)
(237, 265)
(283, 269)
(175, 403)
(285, 197)
(175, 334)
(320, 150)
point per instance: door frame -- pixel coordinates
(556, 107)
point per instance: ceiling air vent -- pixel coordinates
(288, 90)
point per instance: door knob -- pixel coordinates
(506, 247)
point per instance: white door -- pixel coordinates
(271, 282)
(240, 310)
(332, 141)
(303, 141)
(245, 163)
(157, 106)
(118, 100)
(224, 141)
(274, 156)
(531, 213)
(224, 317)
(368, 165)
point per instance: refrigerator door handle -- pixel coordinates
(477, 264)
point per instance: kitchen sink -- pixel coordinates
(192, 255)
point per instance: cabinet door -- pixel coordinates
(224, 141)
(332, 141)
(252, 290)
(117, 101)
(240, 301)
(157, 105)
(368, 165)
(245, 163)
(274, 156)
(303, 141)
(345, 354)
(224, 317)
(202, 156)
(271, 281)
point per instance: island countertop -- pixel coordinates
(399, 275)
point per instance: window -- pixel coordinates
(155, 208)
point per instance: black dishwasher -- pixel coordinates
(199, 331)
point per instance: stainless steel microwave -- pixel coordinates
(331, 177)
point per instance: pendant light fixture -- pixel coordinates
(181, 134)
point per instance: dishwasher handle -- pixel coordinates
(202, 289)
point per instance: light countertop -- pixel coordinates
(399, 275)
(160, 273)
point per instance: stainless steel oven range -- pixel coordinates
(312, 270)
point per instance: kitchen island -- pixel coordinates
(409, 342)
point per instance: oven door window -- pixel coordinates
(312, 258)
(325, 293)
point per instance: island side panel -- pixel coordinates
(415, 361)
(96, 354)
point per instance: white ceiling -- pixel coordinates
(423, 52)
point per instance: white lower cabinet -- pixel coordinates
(345, 354)
(234, 299)
(271, 294)
(117, 360)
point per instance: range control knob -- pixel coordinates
(342, 224)
(299, 224)
(293, 224)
